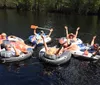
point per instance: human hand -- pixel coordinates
(66, 27)
(78, 28)
(51, 29)
(94, 37)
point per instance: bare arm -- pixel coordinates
(77, 32)
(45, 45)
(66, 31)
(68, 40)
(93, 39)
(51, 30)
(35, 32)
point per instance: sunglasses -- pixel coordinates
(64, 43)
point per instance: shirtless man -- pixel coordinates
(69, 47)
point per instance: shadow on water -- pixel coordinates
(71, 73)
(15, 66)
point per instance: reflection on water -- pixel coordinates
(72, 73)
(34, 72)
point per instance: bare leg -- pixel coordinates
(60, 50)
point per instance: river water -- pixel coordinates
(34, 72)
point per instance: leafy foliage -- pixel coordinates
(76, 6)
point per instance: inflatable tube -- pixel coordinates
(47, 40)
(79, 41)
(5, 56)
(55, 60)
(80, 54)
(15, 39)
(83, 47)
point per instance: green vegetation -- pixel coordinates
(63, 6)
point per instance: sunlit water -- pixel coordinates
(34, 72)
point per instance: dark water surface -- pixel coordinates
(34, 72)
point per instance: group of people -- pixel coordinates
(38, 37)
(18, 46)
(15, 47)
(69, 45)
(64, 45)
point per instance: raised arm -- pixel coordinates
(68, 40)
(93, 39)
(45, 45)
(51, 30)
(77, 32)
(66, 31)
(35, 32)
